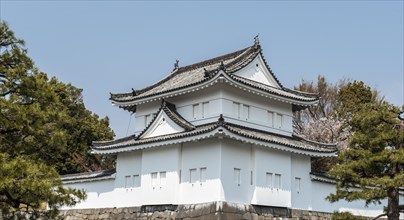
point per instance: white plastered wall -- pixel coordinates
(128, 164)
(160, 160)
(100, 194)
(300, 171)
(236, 155)
(266, 192)
(221, 98)
(196, 155)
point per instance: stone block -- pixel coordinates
(173, 215)
(155, 215)
(104, 216)
(128, 215)
(247, 216)
(206, 210)
(134, 209)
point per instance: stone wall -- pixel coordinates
(213, 210)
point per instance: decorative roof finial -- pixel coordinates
(176, 66)
(134, 93)
(220, 121)
(256, 41)
(207, 73)
(222, 66)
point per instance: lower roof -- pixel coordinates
(88, 176)
(219, 129)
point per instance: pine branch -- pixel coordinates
(381, 215)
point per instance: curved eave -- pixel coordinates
(219, 78)
(278, 146)
(112, 177)
(164, 142)
(89, 176)
(321, 178)
(220, 132)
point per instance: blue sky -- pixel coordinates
(113, 46)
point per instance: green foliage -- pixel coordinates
(26, 185)
(345, 216)
(45, 130)
(44, 119)
(328, 121)
(351, 96)
(372, 168)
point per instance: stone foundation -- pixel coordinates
(212, 210)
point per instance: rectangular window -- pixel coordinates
(202, 174)
(162, 178)
(271, 119)
(237, 176)
(279, 120)
(179, 176)
(246, 112)
(127, 182)
(269, 180)
(192, 175)
(278, 183)
(154, 179)
(251, 177)
(195, 110)
(205, 109)
(297, 184)
(136, 180)
(236, 109)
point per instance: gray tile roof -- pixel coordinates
(282, 92)
(88, 176)
(293, 142)
(182, 77)
(135, 141)
(195, 74)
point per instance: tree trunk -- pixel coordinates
(393, 212)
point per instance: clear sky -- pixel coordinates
(113, 46)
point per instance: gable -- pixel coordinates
(257, 71)
(162, 125)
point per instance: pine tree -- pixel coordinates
(372, 167)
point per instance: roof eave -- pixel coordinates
(218, 78)
(218, 131)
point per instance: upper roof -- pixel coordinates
(199, 74)
(219, 129)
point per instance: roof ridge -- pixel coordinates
(183, 69)
(240, 58)
(213, 60)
